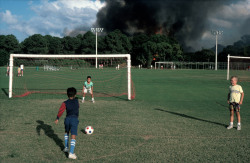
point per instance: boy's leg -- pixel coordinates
(72, 144)
(66, 141)
(83, 97)
(92, 96)
(238, 117)
(74, 125)
(231, 116)
(84, 92)
(66, 135)
(72, 155)
(231, 108)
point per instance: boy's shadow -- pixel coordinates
(191, 117)
(50, 133)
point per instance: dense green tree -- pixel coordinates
(144, 49)
(8, 44)
(88, 43)
(4, 57)
(205, 55)
(239, 48)
(156, 48)
(246, 51)
(230, 49)
(54, 44)
(137, 53)
(71, 44)
(35, 44)
(116, 43)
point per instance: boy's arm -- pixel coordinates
(60, 112)
(241, 99)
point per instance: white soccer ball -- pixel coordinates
(89, 130)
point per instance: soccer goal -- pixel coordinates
(237, 63)
(53, 74)
(164, 65)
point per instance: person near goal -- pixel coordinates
(88, 88)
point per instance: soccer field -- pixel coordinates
(177, 116)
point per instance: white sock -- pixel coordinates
(231, 123)
(93, 99)
(83, 98)
(238, 124)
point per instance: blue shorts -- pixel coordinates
(71, 124)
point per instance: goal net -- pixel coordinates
(164, 65)
(53, 74)
(238, 66)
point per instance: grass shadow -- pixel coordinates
(5, 92)
(50, 133)
(226, 106)
(190, 117)
(113, 96)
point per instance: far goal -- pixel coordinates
(47, 74)
(164, 65)
(238, 66)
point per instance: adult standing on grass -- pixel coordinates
(235, 99)
(71, 121)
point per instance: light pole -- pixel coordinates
(216, 33)
(96, 30)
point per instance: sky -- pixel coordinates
(24, 18)
(60, 18)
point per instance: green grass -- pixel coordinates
(177, 116)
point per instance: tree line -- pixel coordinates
(144, 49)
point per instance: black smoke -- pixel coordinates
(184, 19)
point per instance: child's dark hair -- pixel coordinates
(71, 92)
(88, 77)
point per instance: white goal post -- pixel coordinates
(80, 56)
(228, 62)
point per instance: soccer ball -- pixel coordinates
(89, 130)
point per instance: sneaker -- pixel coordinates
(93, 101)
(82, 101)
(230, 127)
(72, 156)
(238, 127)
(66, 149)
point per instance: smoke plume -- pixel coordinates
(186, 20)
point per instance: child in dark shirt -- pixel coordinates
(71, 121)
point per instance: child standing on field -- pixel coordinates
(18, 71)
(8, 71)
(22, 67)
(71, 121)
(88, 87)
(235, 99)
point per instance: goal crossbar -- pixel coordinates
(12, 56)
(228, 61)
(70, 56)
